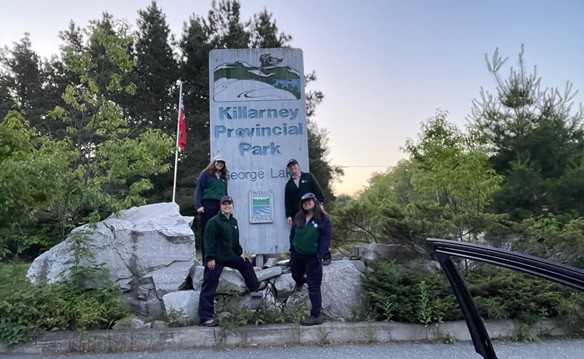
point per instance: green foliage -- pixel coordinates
(442, 191)
(29, 182)
(571, 307)
(408, 295)
(18, 313)
(415, 296)
(430, 309)
(536, 141)
(501, 293)
(176, 318)
(82, 309)
(103, 110)
(26, 310)
(452, 178)
(265, 313)
(548, 237)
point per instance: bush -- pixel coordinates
(503, 293)
(26, 310)
(408, 295)
(418, 296)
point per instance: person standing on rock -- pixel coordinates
(211, 186)
(223, 250)
(299, 184)
(310, 238)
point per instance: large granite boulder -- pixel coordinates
(341, 290)
(146, 250)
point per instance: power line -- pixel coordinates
(364, 166)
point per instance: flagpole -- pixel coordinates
(176, 145)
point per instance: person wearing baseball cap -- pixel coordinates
(310, 238)
(223, 250)
(299, 184)
(211, 186)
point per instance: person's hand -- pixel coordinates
(289, 220)
(244, 257)
(201, 210)
(211, 264)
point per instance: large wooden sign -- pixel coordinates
(258, 123)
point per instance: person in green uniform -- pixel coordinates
(298, 185)
(310, 239)
(223, 249)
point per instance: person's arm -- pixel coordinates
(201, 183)
(324, 239)
(288, 202)
(292, 234)
(209, 239)
(236, 246)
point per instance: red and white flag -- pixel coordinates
(182, 137)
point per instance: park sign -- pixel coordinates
(258, 123)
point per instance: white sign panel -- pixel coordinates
(258, 123)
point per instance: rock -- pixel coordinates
(269, 273)
(395, 252)
(182, 306)
(361, 267)
(271, 262)
(284, 285)
(146, 250)
(341, 290)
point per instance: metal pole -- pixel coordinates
(176, 144)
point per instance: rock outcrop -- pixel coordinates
(146, 250)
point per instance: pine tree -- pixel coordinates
(156, 72)
(264, 32)
(24, 78)
(537, 143)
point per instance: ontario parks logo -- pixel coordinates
(269, 79)
(261, 206)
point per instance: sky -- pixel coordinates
(384, 66)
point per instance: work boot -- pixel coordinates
(261, 285)
(310, 320)
(213, 322)
(326, 262)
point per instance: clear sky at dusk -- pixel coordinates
(384, 66)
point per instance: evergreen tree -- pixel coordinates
(6, 101)
(156, 75)
(224, 26)
(325, 172)
(109, 168)
(537, 143)
(24, 80)
(156, 72)
(264, 32)
(103, 71)
(195, 49)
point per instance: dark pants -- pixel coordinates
(212, 207)
(302, 264)
(211, 281)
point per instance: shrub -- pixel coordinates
(408, 295)
(26, 310)
(417, 296)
